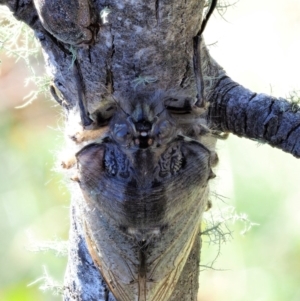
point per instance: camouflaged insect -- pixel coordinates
(145, 186)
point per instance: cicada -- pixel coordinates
(144, 182)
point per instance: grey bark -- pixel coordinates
(149, 46)
(260, 117)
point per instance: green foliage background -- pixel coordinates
(33, 203)
(33, 200)
(258, 46)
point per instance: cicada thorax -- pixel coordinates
(145, 188)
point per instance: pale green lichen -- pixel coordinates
(17, 40)
(104, 14)
(143, 80)
(294, 99)
(42, 83)
(59, 247)
(47, 283)
(217, 227)
(73, 51)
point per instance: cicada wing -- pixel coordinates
(120, 264)
(168, 284)
(170, 263)
(117, 267)
(120, 215)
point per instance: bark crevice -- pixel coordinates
(185, 75)
(270, 115)
(157, 9)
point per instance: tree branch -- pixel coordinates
(261, 117)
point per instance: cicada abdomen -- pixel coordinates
(145, 188)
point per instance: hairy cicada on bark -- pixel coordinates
(145, 187)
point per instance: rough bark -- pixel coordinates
(266, 119)
(146, 47)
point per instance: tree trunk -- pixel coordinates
(139, 62)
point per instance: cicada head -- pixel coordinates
(147, 125)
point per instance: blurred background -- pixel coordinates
(34, 201)
(258, 44)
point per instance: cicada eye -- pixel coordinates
(164, 129)
(121, 132)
